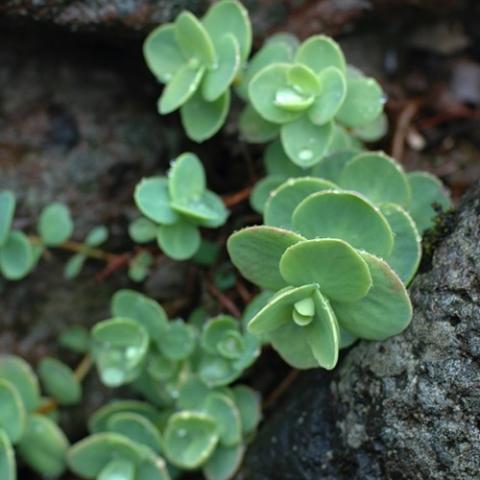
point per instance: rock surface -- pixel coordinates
(406, 408)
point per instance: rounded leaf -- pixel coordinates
(153, 200)
(7, 209)
(19, 373)
(12, 411)
(331, 166)
(91, 455)
(373, 131)
(305, 143)
(407, 249)
(249, 406)
(98, 422)
(55, 224)
(44, 446)
(322, 333)
(215, 330)
(186, 178)
(224, 411)
(75, 338)
(385, 310)
(262, 191)
(427, 191)
(190, 438)
(180, 88)
(217, 80)
(320, 52)
(194, 40)
(346, 216)
(339, 269)
(119, 347)
(254, 128)
(153, 468)
(332, 92)
(363, 102)
(230, 16)
(142, 230)
(59, 381)
(278, 310)
(136, 428)
(16, 256)
(162, 54)
(179, 241)
(263, 90)
(8, 470)
(283, 201)
(202, 119)
(192, 394)
(378, 177)
(277, 162)
(224, 462)
(118, 468)
(178, 341)
(256, 252)
(215, 370)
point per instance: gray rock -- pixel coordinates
(406, 408)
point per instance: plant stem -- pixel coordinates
(83, 367)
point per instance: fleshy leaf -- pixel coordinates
(153, 200)
(333, 89)
(219, 79)
(340, 271)
(142, 230)
(59, 381)
(8, 470)
(202, 119)
(224, 462)
(190, 438)
(136, 428)
(75, 338)
(256, 252)
(347, 216)
(322, 333)
(254, 128)
(303, 80)
(277, 162)
(373, 131)
(232, 17)
(136, 306)
(118, 468)
(363, 103)
(427, 190)
(385, 310)
(263, 189)
(162, 54)
(180, 88)
(331, 166)
(305, 143)
(407, 250)
(194, 40)
(12, 411)
(55, 224)
(278, 310)
(215, 330)
(192, 394)
(179, 241)
(44, 446)
(248, 403)
(263, 91)
(320, 52)
(224, 411)
(19, 373)
(186, 178)
(7, 209)
(119, 347)
(16, 256)
(178, 342)
(283, 201)
(378, 177)
(152, 468)
(91, 455)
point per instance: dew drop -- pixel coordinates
(112, 376)
(305, 154)
(181, 432)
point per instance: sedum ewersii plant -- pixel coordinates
(183, 369)
(37, 438)
(175, 207)
(198, 60)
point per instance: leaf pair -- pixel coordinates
(198, 61)
(175, 207)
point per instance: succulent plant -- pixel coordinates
(37, 438)
(198, 60)
(175, 207)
